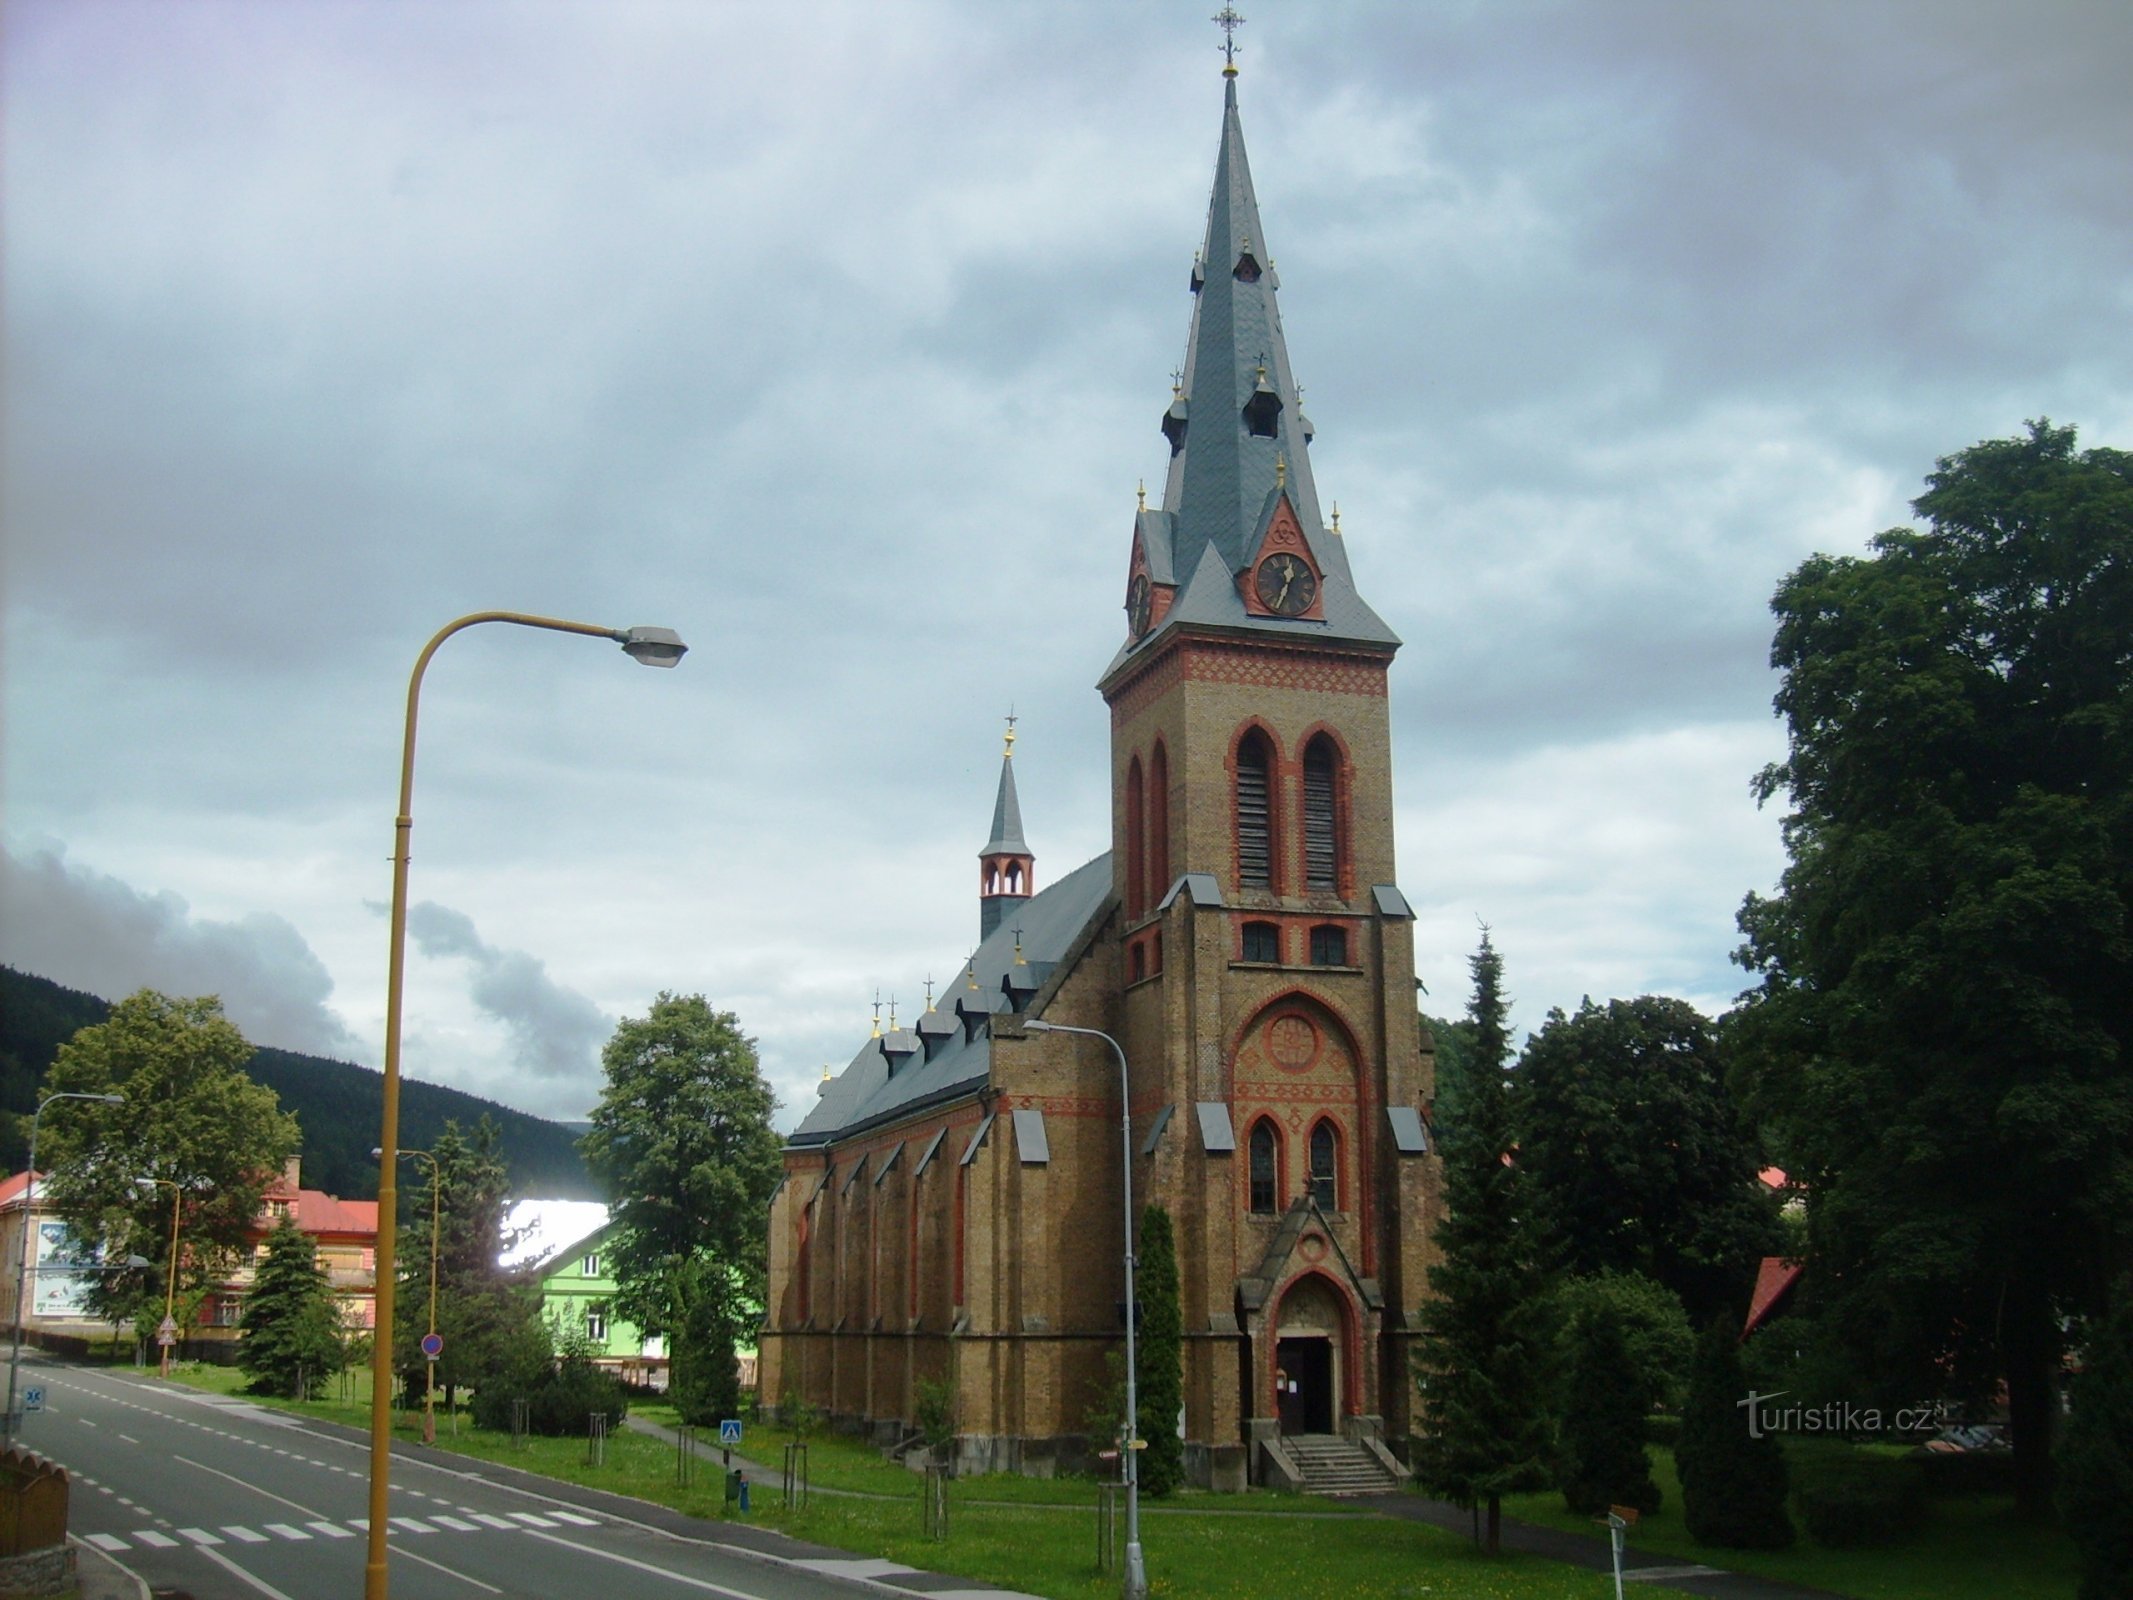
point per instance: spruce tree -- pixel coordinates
(292, 1330)
(1604, 1406)
(1483, 1357)
(1733, 1477)
(1161, 1351)
(706, 1386)
(2096, 1457)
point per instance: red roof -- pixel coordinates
(319, 1212)
(1773, 1281)
(11, 1189)
(1773, 1177)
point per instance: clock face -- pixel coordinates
(1285, 585)
(1137, 602)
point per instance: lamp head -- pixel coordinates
(377, 1152)
(1038, 1025)
(145, 1185)
(109, 1099)
(653, 647)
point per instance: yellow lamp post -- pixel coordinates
(170, 1282)
(652, 647)
(429, 1394)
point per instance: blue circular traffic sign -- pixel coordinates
(433, 1345)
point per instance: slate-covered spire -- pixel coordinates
(1007, 871)
(1242, 414)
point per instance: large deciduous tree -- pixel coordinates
(1634, 1153)
(682, 1142)
(1483, 1358)
(1937, 1045)
(190, 1117)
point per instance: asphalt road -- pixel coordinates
(223, 1500)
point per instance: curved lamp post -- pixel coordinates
(170, 1283)
(1135, 1586)
(22, 1257)
(653, 647)
(429, 1362)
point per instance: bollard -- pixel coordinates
(733, 1486)
(744, 1491)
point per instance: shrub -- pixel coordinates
(560, 1401)
(1732, 1482)
(1604, 1463)
(2096, 1457)
(1852, 1503)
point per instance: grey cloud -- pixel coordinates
(89, 931)
(555, 1032)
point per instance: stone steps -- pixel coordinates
(1335, 1466)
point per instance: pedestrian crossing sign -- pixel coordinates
(729, 1431)
(33, 1398)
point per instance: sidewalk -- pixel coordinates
(1580, 1550)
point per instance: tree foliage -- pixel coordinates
(2096, 1456)
(683, 1145)
(1634, 1153)
(1658, 1338)
(489, 1316)
(1733, 1478)
(1605, 1403)
(1482, 1360)
(1936, 1047)
(190, 1117)
(292, 1327)
(706, 1379)
(1160, 1349)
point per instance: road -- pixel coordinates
(219, 1499)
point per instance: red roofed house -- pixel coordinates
(1775, 1280)
(346, 1233)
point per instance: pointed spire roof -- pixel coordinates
(1239, 440)
(1006, 838)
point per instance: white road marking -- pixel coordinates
(245, 1483)
(155, 1540)
(332, 1530)
(494, 1521)
(531, 1519)
(199, 1536)
(646, 1566)
(409, 1525)
(107, 1541)
(245, 1535)
(281, 1530)
(253, 1579)
(572, 1516)
(406, 1554)
(456, 1524)
(85, 1422)
(129, 1438)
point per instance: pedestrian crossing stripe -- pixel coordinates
(153, 1539)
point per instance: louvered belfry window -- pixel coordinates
(1321, 827)
(1255, 849)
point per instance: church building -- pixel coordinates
(951, 1209)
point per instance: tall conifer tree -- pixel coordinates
(1483, 1358)
(1161, 1354)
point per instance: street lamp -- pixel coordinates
(22, 1257)
(170, 1283)
(1136, 1579)
(653, 647)
(429, 1396)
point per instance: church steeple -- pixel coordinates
(1007, 871)
(1240, 491)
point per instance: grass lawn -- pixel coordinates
(1970, 1546)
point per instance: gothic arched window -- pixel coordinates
(1321, 815)
(1325, 1167)
(1158, 821)
(1255, 812)
(1266, 1169)
(1136, 844)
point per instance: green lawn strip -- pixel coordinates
(1971, 1547)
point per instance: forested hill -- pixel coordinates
(336, 1102)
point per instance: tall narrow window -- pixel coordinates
(1321, 822)
(1136, 841)
(1325, 1167)
(1158, 821)
(1329, 945)
(1255, 823)
(1266, 1161)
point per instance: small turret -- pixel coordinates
(1007, 872)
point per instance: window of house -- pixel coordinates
(590, 1266)
(1255, 820)
(596, 1326)
(1329, 946)
(1266, 1167)
(1325, 1167)
(1321, 822)
(1262, 942)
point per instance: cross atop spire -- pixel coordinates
(1229, 22)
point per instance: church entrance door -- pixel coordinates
(1306, 1381)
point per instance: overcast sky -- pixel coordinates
(835, 337)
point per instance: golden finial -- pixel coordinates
(1336, 519)
(826, 1073)
(892, 1013)
(971, 967)
(877, 1014)
(1019, 961)
(1262, 371)
(929, 994)
(1009, 752)
(1140, 493)
(1229, 22)
(1177, 383)
(1281, 472)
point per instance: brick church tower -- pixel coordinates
(951, 1207)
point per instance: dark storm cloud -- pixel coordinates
(92, 932)
(555, 1033)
